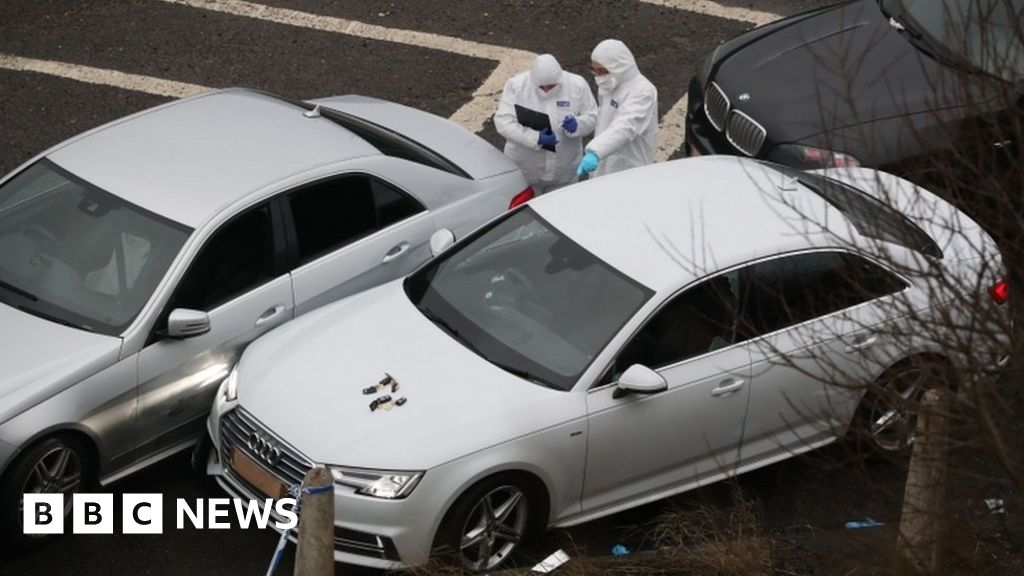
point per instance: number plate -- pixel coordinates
(254, 474)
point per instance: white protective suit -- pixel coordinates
(546, 170)
(627, 118)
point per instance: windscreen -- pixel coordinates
(528, 299)
(77, 255)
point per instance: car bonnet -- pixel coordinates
(305, 382)
(41, 358)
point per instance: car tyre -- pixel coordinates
(489, 523)
(885, 423)
(56, 464)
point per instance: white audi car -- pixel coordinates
(620, 341)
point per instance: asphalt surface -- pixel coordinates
(186, 44)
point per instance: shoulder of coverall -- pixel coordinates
(519, 81)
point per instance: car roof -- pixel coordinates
(188, 159)
(667, 224)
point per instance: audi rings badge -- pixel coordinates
(263, 449)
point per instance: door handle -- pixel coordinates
(269, 315)
(861, 342)
(395, 252)
(727, 387)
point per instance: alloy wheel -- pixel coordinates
(494, 528)
(893, 416)
(58, 470)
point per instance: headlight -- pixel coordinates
(809, 157)
(380, 484)
(229, 388)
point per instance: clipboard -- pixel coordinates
(535, 120)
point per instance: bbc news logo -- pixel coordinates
(144, 513)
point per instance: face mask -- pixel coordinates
(545, 95)
(605, 82)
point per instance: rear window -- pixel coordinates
(871, 218)
(389, 142)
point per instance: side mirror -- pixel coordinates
(639, 379)
(185, 323)
(441, 241)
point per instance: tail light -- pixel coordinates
(1000, 292)
(522, 197)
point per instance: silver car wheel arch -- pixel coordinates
(58, 470)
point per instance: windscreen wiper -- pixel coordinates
(18, 291)
(52, 318)
(444, 325)
(525, 375)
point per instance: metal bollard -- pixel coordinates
(314, 555)
(921, 521)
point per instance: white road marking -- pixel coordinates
(671, 130)
(471, 115)
(102, 76)
(709, 8)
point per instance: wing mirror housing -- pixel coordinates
(186, 323)
(639, 379)
(441, 241)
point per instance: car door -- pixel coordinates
(815, 316)
(639, 445)
(238, 277)
(352, 232)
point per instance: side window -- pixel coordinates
(701, 319)
(332, 213)
(790, 290)
(236, 259)
(393, 205)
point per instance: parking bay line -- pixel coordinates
(102, 76)
(511, 61)
(710, 8)
(471, 115)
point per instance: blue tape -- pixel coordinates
(318, 489)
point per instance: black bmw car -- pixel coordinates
(883, 83)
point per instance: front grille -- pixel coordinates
(364, 544)
(716, 106)
(237, 426)
(744, 133)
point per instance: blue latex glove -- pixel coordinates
(588, 164)
(569, 124)
(547, 138)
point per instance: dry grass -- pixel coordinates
(714, 540)
(701, 539)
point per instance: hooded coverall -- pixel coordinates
(546, 170)
(627, 119)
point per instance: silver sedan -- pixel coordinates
(616, 342)
(139, 259)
